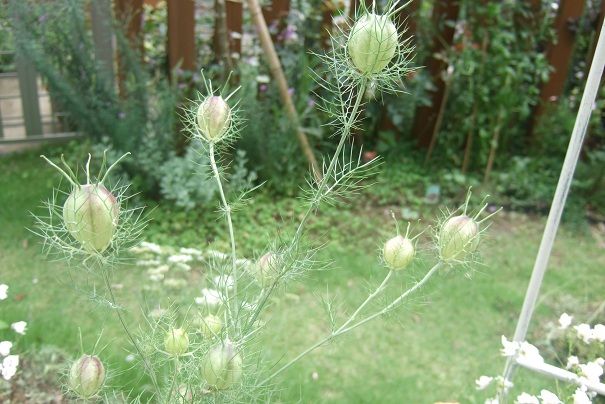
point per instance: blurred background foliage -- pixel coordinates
(497, 66)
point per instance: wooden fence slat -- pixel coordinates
(425, 118)
(102, 37)
(181, 34)
(559, 54)
(28, 86)
(235, 19)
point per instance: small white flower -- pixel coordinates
(509, 348)
(151, 247)
(5, 348)
(210, 297)
(572, 361)
(182, 266)
(525, 398)
(565, 321)
(584, 332)
(493, 400)
(482, 382)
(217, 255)
(600, 362)
(263, 79)
(223, 281)
(156, 277)
(190, 251)
(3, 291)
(548, 397)
(130, 358)
(9, 366)
(592, 371)
(530, 353)
(580, 397)
(19, 327)
(598, 332)
(180, 258)
(148, 263)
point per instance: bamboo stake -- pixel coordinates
(558, 203)
(449, 75)
(278, 74)
(493, 146)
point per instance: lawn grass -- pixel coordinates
(431, 350)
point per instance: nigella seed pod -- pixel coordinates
(211, 325)
(372, 43)
(86, 376)
(90, 214)
(459, 237)
(222, 367)
(398, 252)
(176, 342)
(213, 118)
(266, 268)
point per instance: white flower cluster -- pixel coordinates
(589, 372)
(9, 363)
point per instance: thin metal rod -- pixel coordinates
(558, 203)
(561, 374)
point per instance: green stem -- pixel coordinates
(344, 329)
(146, 363)
(368, 300)
(346, 131)
(227, 209)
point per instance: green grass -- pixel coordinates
(431, 350)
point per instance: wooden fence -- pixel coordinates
(181, 48)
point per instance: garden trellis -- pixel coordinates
(550, 231)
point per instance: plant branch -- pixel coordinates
(344, 329)
(227, 209)
(146, 363)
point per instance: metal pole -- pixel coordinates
(558, 203)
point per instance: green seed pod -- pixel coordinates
(86, 376)
(222, 367)
(213, 118)
(176, 342)
(459, 237)
(210, 326)
(372, 43)
(398, 252)
(90, 214)
(266, 268)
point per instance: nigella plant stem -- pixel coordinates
(368, 300)
(346, 327)
(322, 186)
(146, 363)
(323, 183)
(227, 209)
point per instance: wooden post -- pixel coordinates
(28, 87)
(131, 13)
(559, 54)
(445, 12)
(181, 34)
(234, 25)
(102, 37)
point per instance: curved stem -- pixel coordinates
(368, 300)
(227, 209)
(344, 329)
(318, 195)
(346, 131)
(146, 363)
